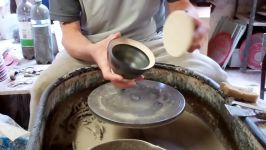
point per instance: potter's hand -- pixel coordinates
(125, 83)
(200, 28)
(100, 57)
(201, 31)
(79, 47)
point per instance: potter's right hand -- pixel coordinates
(79, 47)
(99, 55)
(125, 83)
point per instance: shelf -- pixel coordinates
(245, 17)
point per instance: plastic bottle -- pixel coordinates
(42, 36)
(25, 30)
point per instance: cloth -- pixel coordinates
(160, 16)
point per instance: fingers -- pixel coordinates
(113, 36)
(201, 31)
(108, 75)
(124, 83)
(106, 70)
(101, 59)
(105, 42)
(196, 44)
(118, 80)
(140, 78)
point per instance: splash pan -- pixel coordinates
(65, 121)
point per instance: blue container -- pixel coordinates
(46, 3)
(18, 144)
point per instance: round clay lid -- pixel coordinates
(178, 33)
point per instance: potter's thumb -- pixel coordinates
(114, 36)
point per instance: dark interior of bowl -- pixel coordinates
(131, 56)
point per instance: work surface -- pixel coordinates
(23, 82)
(23, 85)
(27, 71)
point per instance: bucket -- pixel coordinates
(64, 120)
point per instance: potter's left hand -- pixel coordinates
(201, 31)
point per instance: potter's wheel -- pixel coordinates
(147, 104)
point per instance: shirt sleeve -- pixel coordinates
(64, 10)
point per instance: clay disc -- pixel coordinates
(147, 104)
(178, 33)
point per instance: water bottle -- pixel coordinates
(42, 36)
(25, 31)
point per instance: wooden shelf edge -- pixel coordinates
(245, 17)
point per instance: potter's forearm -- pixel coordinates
(183, 5)
(76, 44)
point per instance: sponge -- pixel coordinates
(238, 93)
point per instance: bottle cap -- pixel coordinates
(178, 33)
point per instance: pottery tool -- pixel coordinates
(238, 111)
(238, 93)
(19, 83)
(26, 72)
(256, 106)
(178, 33)
(13, 75)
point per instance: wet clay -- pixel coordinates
(187, 132)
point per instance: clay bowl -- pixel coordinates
(129, 58)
